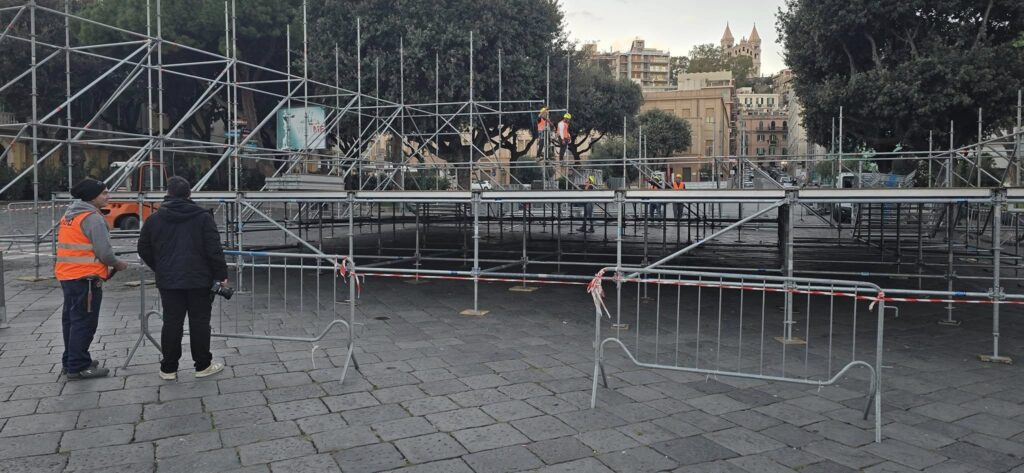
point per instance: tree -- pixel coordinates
(598, 104)
(609, 153)
(900, 69)
(710, 58)
(664, 133)
(677, 65)
(200, 24)
(526, 32)
(705, 58)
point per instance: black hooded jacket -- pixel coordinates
(180, 242)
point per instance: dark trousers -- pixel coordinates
(82, 298)
(562, 145)
(196, 304)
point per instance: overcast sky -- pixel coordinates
(676, 25)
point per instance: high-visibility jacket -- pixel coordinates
(543, 124)
(75, 256)
(678, 185)
(563, 130)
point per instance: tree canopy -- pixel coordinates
(527, 33)
(664, 133)
(900, 69)
(710, 58)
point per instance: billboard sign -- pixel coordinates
(302, 128)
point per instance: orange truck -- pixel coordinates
(128, 214)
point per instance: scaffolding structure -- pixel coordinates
(934, 242)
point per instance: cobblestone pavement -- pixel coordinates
(510, 391)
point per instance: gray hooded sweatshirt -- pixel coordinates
(95, 229)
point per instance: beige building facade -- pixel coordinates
(705, 101)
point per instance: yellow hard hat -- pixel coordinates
(679, 175)
(543, 109)
(567, 116)
(590, 178)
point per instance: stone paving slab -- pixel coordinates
(510, 391)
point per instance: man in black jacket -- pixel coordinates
(180, 242)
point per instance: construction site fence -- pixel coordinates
(812, 332)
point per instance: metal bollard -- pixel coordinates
(3, 295)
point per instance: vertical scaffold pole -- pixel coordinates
(475, 311)
(788, 338)
(35, 135)
(949, 235)
(3, 295)
(996, 293)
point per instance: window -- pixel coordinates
(784, 125)
(709, 147)
(772, 125)
(687, 174)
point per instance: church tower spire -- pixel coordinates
(727, 39)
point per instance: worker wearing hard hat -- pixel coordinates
(588, 207)
(543, 122)
(564, 137)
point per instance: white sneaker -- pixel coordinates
(213, 369)
(168, 376)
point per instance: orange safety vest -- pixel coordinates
(563, 130)
(75, 256)
(543, 124)
(678, 185)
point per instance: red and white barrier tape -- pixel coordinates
(344, 268)
(597, 292)
(41, 207)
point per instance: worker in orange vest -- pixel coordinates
(543, 122)
(678, 184)
(84, 258)
(564, 137)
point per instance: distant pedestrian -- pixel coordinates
(588, 207)
(181, 243)
(84, 258)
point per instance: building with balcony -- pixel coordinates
(648, 67)
(762, 124)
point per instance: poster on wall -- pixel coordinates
(301, 128)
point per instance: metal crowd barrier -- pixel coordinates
(744, 326)
(290, 297)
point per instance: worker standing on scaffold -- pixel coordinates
(564, 137)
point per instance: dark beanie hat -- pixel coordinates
(88, 189)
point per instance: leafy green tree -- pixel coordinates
(900, 69)
(677, 65)
(200, 24)
(598, 104)
(526, 33)
(710, 58)
(705, 58)
(664, 133)
(609, 154)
